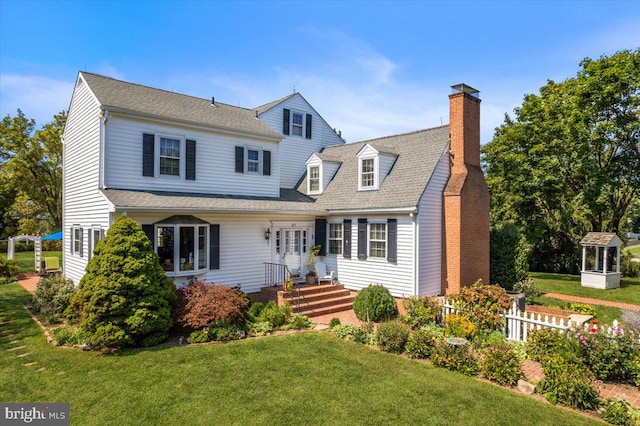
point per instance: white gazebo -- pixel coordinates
(600, 276)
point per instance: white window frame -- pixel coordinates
(373, 173)
(337, 239)
(375, 227)
(94, 241)
(248, 161)
(318, 180)
(297, 126)
(181, 158)
(176, 262)
(76, 240)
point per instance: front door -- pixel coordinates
(293, 244)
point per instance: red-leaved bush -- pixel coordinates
(200, 304)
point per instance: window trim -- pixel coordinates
(319, 179)
(301, 125)
(176, 272)
(181, 158)
(374, 173)
(338, 242)
(259, 161)
(370, 240)
(79, 240)
(93, 241)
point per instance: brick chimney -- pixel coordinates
(466, 197)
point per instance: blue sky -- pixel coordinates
(370, 68)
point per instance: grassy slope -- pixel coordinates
(304, 378)
(629, 291)
(26, 262)
(634, 250)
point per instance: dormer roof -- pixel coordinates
(417, 154)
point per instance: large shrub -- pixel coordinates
(501, 363)
(508, 254)
(421, 311)
(628, 268)
(8, 269)
(483, 304)
(375, 303)
(568, 383)
(392, 337)
(125, 298)
(52, 298)
(200, 304)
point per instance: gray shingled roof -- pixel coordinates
(418, 154)
(134, 98)
(601, 239)
(290, 200)
(266, 107)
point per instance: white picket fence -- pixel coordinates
(518, 324)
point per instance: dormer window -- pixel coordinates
(367, 174)
(314, 179)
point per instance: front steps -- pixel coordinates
(316, 300)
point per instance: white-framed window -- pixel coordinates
(76, 240)
(278, 242)
(97, 233)
(253, 160)
(169, 156)
(367, 173)
(335, 238)
(378, 240)
(183, 249)
(297, 123)
(314, 179)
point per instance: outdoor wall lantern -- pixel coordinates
(267, 234)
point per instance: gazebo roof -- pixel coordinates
(601, 239)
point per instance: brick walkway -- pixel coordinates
(590, 301)
(29, 281)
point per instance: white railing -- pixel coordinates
(518, 324)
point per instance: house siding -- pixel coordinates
(430, 231)
(215, 161)
(357, 274)
(83, 205)
(295, 150)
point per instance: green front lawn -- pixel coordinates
(26, 262)
(604, 314)
(302, 378)
(629, 291)
(634, 251)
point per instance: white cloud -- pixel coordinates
(38, 97)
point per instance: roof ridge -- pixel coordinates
(162, 90)
(403, 134)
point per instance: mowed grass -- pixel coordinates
(629, 291)
(304, 378)
(604, 314)
(634, 250)
(26, 261)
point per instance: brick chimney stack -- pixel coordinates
(466, 197)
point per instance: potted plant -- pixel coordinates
(311, 277)
(287, 285)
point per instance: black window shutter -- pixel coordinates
(148, 157)
(392, 237)
(285, 121)
(308, 127)
(190, 173)
(214, 246)
(321, 236)
(266, 163)
(148, 230)
(362, 239)
(239, 159)
(346, 242)
(81, 242)
(90, 253)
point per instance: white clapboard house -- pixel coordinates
(224, 193)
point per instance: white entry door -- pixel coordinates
(293, 249)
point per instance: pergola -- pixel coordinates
(37, 248)
(600, 276)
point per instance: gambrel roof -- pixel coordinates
(417, 153)
(122, 96)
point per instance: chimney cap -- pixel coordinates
(457, 88)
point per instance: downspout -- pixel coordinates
(416, 251)
(104, 118)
